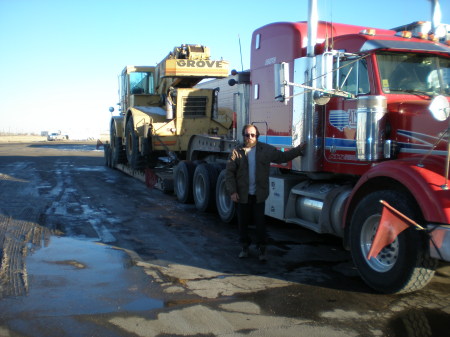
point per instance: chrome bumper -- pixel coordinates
(439, 242)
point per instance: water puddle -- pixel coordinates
(73, 277)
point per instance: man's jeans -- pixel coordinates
(251, 213)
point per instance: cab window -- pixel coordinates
(351, 76)
(141, 83)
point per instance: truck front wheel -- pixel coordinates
(401, 267)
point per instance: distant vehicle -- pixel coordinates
(56, 136)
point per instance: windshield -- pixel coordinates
(141, 83)
(414, 73)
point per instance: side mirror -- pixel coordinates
(321, 98)
(111, 109)
(281, 73)
(324, 70)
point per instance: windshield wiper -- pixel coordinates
(413, 91)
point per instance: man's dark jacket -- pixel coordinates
(236, 178)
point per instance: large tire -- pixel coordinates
(401, 267)
(118, 155)
(225, 207)
(134, 158)
(182, 178)
(204, 187)
(107, 154)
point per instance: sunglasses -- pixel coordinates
(248, 135)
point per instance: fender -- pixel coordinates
(424, 182)
(140, 119)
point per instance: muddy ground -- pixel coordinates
(87, 250)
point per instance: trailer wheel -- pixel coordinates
(107, 155)
(225, 207)
(118, 155)
(182, 180)
(134, 158)
(401, 267)
(204, 186)
(167, 186)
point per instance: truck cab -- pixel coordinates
(360, 99)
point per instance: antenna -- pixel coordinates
(240, 51)
(331, 25)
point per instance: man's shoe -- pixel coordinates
(244, 253)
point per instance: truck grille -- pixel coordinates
(195, 105)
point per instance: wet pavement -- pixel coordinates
(87, 251)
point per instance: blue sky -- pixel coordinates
(61, 58)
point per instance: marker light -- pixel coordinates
(368, 31)
(420, 35)
(405, 34)
(433, 38)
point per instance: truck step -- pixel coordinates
(310, 225)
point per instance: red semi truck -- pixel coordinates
(371, 136)
(372, 106)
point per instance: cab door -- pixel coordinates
(350, 75)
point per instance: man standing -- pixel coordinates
(247, 181)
